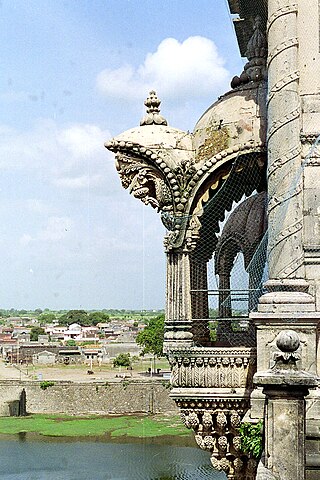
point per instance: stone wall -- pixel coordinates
(75, 398)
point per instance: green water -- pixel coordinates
(24, 458)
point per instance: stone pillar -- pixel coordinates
(178, 325)
(285, 216)
(285, 387)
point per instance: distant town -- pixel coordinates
(73, 337)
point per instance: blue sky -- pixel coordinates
(73, 74)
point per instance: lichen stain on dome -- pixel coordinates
(217, 139)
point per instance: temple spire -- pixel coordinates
(153, 116)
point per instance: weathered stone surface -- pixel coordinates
(264, 474)
(234, 120)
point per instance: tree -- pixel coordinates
(98, 317)
(46, 317)
(35, 332)
(151, 337)
(122, 360)
(71, 343)
(75, 316)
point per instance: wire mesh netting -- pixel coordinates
(229, 265)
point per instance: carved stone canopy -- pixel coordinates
(174, 171)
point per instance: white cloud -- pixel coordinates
(176, 70)
(73, 157)
(83, 140)
(55, 230)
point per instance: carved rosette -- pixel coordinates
(215, 423)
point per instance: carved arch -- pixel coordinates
(239, 175)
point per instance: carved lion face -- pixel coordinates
(143, 187)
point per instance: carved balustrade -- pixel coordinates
(211, 367)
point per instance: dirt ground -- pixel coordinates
(79, 373)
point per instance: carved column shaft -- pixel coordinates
(178, 302)
(178, 286)
(285, 252)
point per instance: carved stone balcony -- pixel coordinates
(211, 386)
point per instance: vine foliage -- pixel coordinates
(252, 438)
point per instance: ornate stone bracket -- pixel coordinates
(197, 374)
(216, 423)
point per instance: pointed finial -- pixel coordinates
(257, 50)
(257, 45)
(153, 116)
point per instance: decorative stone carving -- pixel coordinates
(288, 342)
(207, 368)
(144, 182)
(215, 423)
(237, 443)
(235, 420)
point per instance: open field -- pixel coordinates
(79, 372)
(118, 426)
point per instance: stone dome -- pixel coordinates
(235, 120)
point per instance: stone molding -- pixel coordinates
(284, 82)
(291, 42)
(287, 157)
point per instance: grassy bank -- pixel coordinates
(65, 426)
